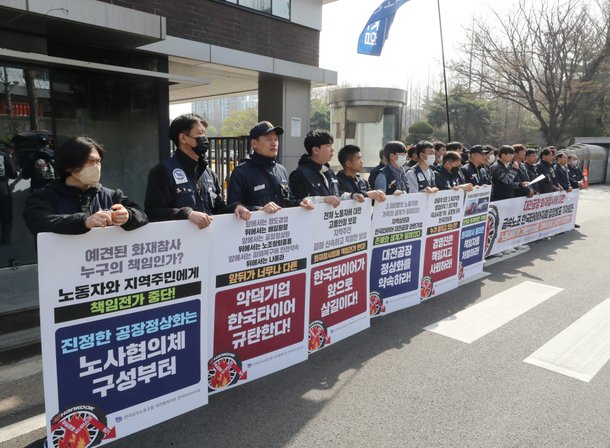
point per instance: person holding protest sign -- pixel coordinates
(350, 182)
(183, 186)
(375, 171)
(522, 174)
(392, 178)
(447, 176)
(531, 167)
(545, 167)
(420, 178)
(504, 174)
(314, 178)
(76, 202)
(474, 171)
(577, 179)
(561, 168)
(260, 182)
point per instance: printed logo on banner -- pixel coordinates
(376, 306)
(493, 222)
(318, 336)
(81, 426)
(224, 370)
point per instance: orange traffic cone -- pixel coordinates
(585, 173)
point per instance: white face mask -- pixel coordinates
(402, 159)
(430, 159)
(89, 175)
(574, 162)
(492, 159)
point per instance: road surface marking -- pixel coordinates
(484, 317)
(580, 350)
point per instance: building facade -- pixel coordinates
(110, 68)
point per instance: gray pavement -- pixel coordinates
(397, 385)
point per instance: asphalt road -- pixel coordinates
(398, 385)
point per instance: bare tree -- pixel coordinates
(544, 57)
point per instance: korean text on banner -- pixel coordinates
(396, 252)
(442, 238)
(339, 270)
(259, 306)
(518, 221)
(124, 329)
(472, 236)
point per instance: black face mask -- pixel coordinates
(455, 170)
(203, 145)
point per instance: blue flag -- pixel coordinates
(376, 31)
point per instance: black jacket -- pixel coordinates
(374, 173)
(563, 176)
(532, 173)
(446, 180)
(575, 175)
(550, 184)
(60, 208)
(348, 184)
(504, 181)
(475, 176)
(258, 180)
(313, 179)
(172, 193)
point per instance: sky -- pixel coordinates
(411, 56)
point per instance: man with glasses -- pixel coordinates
(183, 186)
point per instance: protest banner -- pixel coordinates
(259, 306)
(472, 235)
(338, 306)
(396, 256)
(517, 221)
(441, 255)
(123, 330)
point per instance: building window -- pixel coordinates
(278, 8)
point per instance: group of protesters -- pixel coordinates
(511, 170)
(185, 187)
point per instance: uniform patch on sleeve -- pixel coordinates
(179, 176)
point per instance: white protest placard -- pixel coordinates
(442, 238)
(123, 329)
(338, 306)
(396, 252)
(516, 221)
(259, 306)
(473, 231)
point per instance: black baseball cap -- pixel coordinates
(264, 127)
(478, 149)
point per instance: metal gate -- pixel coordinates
(225, 153)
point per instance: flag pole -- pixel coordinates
(440, 24)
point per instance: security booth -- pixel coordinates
(368, 117)
(594, 154)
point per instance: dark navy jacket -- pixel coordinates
(348, 184)
(475, 176)
(563, 176)
(60, 208)
(504, 181)
(179, 185)
(374, 173)
(550, 184)
(313, 179)
(258, 180)
(446, 180)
